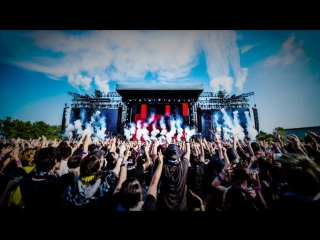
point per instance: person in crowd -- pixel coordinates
(172, 195)
(160, 175)
(42, 188)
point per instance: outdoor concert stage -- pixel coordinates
(154, 106)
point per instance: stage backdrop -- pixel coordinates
(211, 119)
(108, 116)
(152, 113)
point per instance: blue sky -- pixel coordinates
(38, 68)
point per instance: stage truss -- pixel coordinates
(205, 101)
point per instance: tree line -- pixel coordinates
(10, 128)
(263, 136)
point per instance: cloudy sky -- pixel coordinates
(38, 68)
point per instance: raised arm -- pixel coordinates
(123, 171)
(146, 152)
(187, 153)
(281, 144)
(153, 188)
(219, 145)
(122, 149)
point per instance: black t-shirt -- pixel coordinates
(195, 177)
(44, 194)
(172, 195)
(213, 168)
(150, 204)
(96, 196)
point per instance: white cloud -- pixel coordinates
(241, 78)
(289, 53)
(247, 48)
(102, 84)
(79, 80)
(222, 56)
(223, 82)
(130, 55)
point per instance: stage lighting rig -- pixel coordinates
(96, 101)
(221, 100)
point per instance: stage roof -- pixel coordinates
(187, 91)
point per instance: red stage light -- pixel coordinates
(143, 111)
(184, 109)
(167, 110)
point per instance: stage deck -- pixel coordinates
(186, 91)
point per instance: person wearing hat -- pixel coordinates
(100, 154)
(172, 196)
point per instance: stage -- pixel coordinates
(148, 111)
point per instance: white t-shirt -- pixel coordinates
(63, 168)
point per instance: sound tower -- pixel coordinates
(199, 120)
(119, 120)
(256, 119)
(64, 119)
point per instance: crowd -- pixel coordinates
(160, 175)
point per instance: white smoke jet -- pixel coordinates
(100, 130)
(127, 133)
(163, 127)
(179, 128)
(216, 124)
(226, 133)
(252, 132)
(151, 118)
(189, 133)
(96, 128)
(180, 134)
(229, 127)
(78, 127)
(238, 129)
(154, 132)
(132, 129)
(172, 131)
(145, 132)
(83, 115)
(88, 130)
(70, 127)
(138, 130)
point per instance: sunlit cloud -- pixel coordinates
(247, 48)
(289, 53)
(98, 57)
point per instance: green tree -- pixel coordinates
(279, 130)
(261, 136)
(308, 138)
(17, 128)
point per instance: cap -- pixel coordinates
(172, 152)
(98, 153)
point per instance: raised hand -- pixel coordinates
(4, 151)
(316, 136)
(146, 147)
(294, 140)
(15, 153)
(255, 179)
(160, 156)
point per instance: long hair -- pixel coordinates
(46, 158)
(131, 193)
(302, 175)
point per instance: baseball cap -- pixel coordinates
(172, 152)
